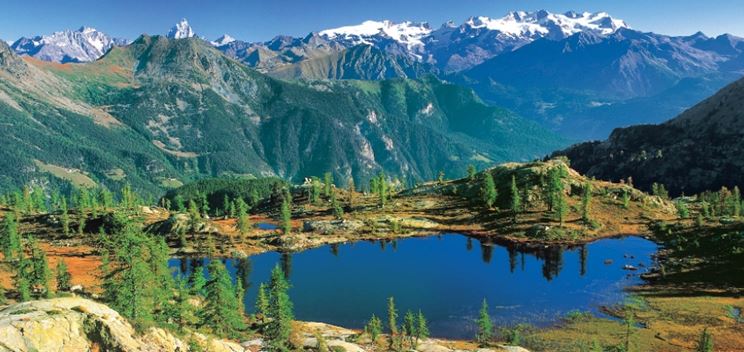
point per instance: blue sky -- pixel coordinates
(255, 20)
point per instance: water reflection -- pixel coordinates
(446, 280)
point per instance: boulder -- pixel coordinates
(74, 324)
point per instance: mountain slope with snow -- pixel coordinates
(181, 30)
(82, 45)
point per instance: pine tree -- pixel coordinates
(243, 223)
(586, 201)
(409, 328)
(488, 190)
(327, 184)
(315, 190)
(393, 324)
(21, 278)
(705, 343)
(471, 172)
(182, 312)
(422, 328)
(40, 273)
(63, 277)
(280, 313)
(561, 208)
(373, 328)
(626, 199)
(198, 281)
(262, 301)
(485, 326)
(133, 283)
(221, 310)
(516, 201)
(338, 211)
(11, 240)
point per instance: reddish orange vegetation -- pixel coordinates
(82, 262)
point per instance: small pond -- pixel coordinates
(447, 277)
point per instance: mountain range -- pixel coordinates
(162, 111)
(579, 74)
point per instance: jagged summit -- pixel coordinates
(407, 33)
(181, 30)
(81, 45)
(546, 24)
(223, 40)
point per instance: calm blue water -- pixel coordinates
(266, 226)
(447, 277)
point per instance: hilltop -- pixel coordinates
(699, 150)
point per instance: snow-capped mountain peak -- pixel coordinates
(181, 30)
(223, 40)
(544, 23)
(407, 33)
(84, 44)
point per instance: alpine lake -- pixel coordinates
(447, 277)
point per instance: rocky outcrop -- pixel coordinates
(74, 324)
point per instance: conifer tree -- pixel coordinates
(373, 328)
(280, 313)
(182, 312)
(315, 190)
(338, 211)
(40, 273)
(133, 282)
(422, 328)
(626, 199)
(561, 208)
(516, 201)
(327, 184)
(243, 223)
(393, 324)
(262, 301)
(489, 194)
(21, 278)
(409, 328)
(11, 240)
(471, 172)
(382, 189)
(485, 326)
(62, 276)
(705, 342)
(221, 310)
(198, 281)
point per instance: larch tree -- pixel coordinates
(488, 191)
(485, 325)
(221, 311)
(516, 200)
(62, 276)
(280, 313)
